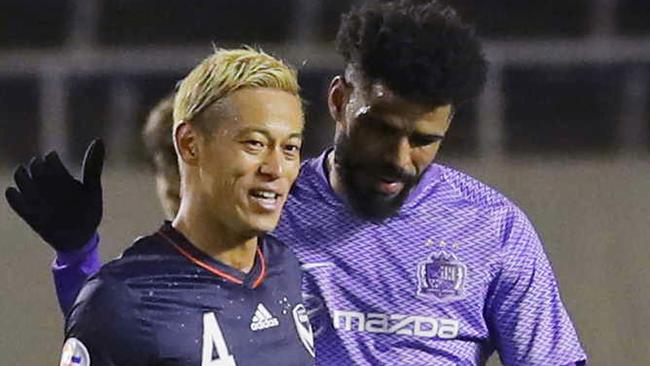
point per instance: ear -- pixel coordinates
(186, 139)
(337, 97)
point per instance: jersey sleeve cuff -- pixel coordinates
(85, 254)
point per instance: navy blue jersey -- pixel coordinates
(164, 302)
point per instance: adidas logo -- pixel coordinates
(263, 319)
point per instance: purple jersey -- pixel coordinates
(456, 275)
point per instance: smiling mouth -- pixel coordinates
(267, 200)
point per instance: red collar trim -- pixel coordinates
(215, 271)
(262, 275)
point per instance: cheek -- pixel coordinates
(226, 169)
(423, 157)
(292, 170)
(365, 143)
(241, 169)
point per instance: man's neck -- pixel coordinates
(213, 238)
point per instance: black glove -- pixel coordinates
(64, 211)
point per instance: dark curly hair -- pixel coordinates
(420, 48)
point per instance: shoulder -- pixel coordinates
(109, 287)
(104, 293)
(142, 256)
(106, 325)
(108, 317)
(311, 177)
(153, 244)
(104, 310)
(471, 190)
(463, 191)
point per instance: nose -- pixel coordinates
(399, 154)
(271, 165)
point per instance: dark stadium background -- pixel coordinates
(563, 128)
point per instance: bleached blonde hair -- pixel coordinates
(226, 71)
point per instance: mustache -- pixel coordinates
(387, 171)
(397, 173)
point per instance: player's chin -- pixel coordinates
(262, 213)
(262, 224)
(375, 205)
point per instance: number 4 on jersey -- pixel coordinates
(213, 341)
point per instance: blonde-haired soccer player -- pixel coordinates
(209, 288)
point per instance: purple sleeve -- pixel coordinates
(526, 315)
(70, 271)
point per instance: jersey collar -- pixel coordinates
(184, 247)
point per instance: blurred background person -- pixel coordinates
(562, 127)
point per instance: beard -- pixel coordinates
(359, 179)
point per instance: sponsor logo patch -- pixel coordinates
(408, 325)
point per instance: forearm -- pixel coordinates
(71, 269)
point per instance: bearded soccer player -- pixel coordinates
(415, 263)
(209, 288)
(412, 262)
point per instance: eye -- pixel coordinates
(383, 129)
(292, 149)
(424, 140)
(254, 144)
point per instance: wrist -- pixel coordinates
(74, 256)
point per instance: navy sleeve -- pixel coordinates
(105, 329)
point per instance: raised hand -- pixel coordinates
(64, 211)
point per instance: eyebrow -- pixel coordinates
(366, 114)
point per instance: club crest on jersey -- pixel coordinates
(303, 327)
(74, 353)
(442, 277)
